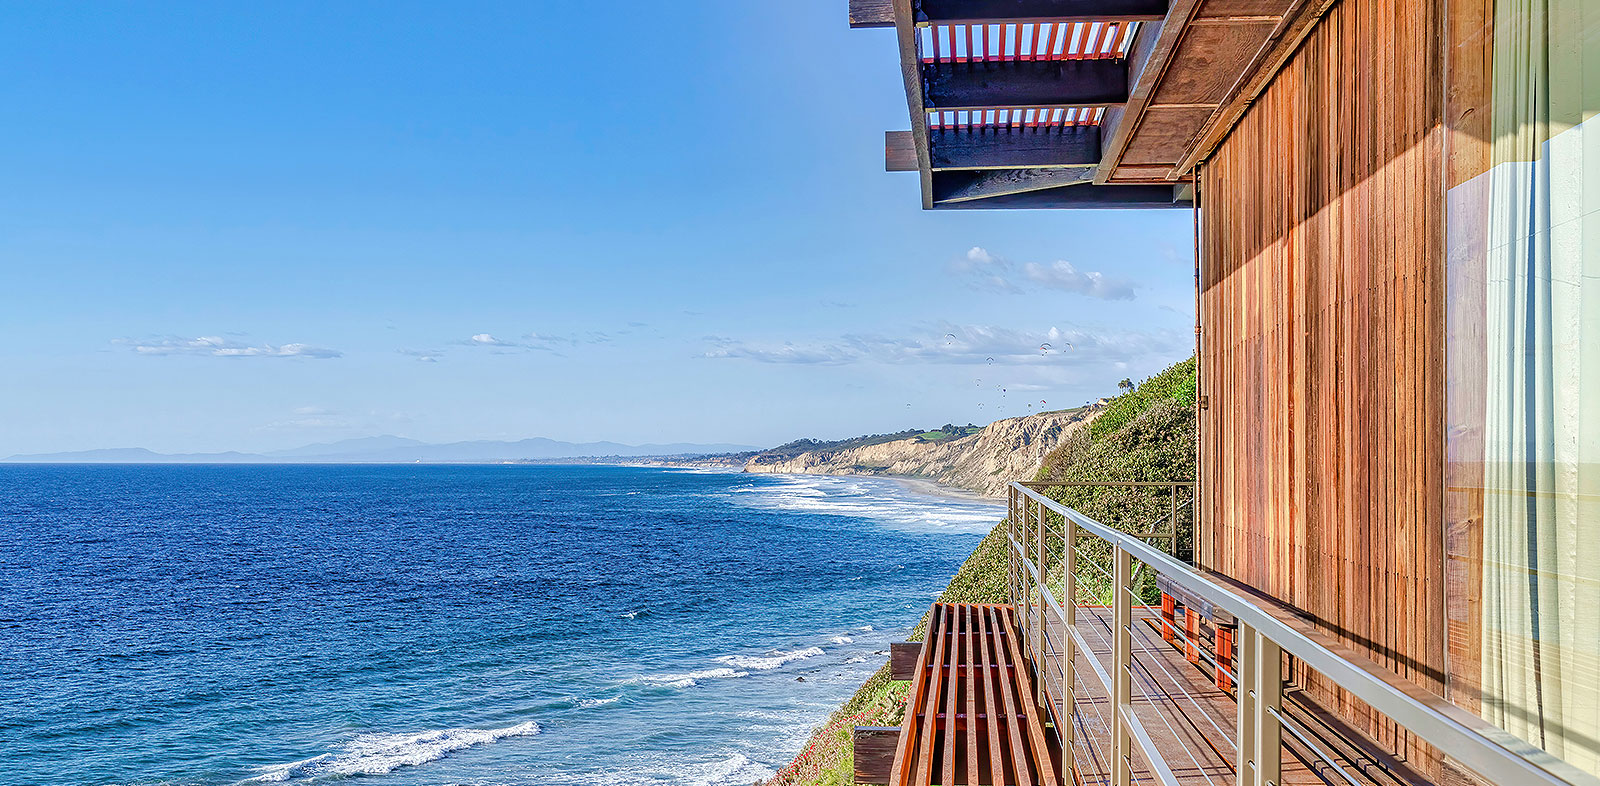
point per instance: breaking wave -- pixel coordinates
(376, 754)
(771, 660)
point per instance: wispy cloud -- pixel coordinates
(217, 346)
(545, 342)
(1063, 276)
(310, 417)
(422, 355)
(954, 344)
(986, 270)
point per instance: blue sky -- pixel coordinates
(231, 226)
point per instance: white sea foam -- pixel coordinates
(867, 628)
(689, 679)
(771, 660)
(376, 754)
(586, 703)
(726, 769)
(884, 500)
(842, 640)
(737, 768)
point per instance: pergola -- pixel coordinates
(1075, 103)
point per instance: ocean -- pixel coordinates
(511, 624)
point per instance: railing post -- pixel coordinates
(1069, 621)
(1245, 769)
(1040, 663)
(1122, 675)
(1269, 702)
(1010, 551)
(1172, 542)
(1260, 698)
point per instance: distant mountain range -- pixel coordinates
(392, 450)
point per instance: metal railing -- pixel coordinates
(1072, 578)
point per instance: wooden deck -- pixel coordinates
(980, 714)
(1189, 718)
(1189, 711)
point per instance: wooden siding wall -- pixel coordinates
(1322, 344)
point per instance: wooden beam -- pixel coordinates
(899, 152)
(1147, 61)
(1014, 148)
(963, 186)
(874, 753)
(911, 74)
(872, 13)
(1034, 83)
(981, 11)
(1078, 197)
(1297, 23)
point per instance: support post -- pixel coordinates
(1191, 629)
(1122, 675)
(1169, 617)
(1043, 620)
(1069, 621)
(1269, 702)
(1011, 552)
(1260, 697)
(1245, 769)
(1225, 659)
(1172, 520)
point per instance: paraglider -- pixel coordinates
(1044, 349)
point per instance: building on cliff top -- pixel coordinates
(1397, 212)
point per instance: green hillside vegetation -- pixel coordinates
(948, 432)
(1152, 438)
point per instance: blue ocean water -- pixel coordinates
(446, 624)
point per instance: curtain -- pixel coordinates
(1541, 415)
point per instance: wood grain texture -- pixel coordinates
(1013, 148)
(1163, 136)
(1208, 64)
(899, 152)
(1079, 197)
(1036, 83)
(903, 659)
(985, 183)
(873, 752)
(1322, 348)
(871, 13)
(980, 11)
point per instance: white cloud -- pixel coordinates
(989, 271)
(1063, 276)
(544, 342)
(217, 346)
(956, 345)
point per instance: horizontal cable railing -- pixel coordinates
(1138, 698)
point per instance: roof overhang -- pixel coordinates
(1075, 103)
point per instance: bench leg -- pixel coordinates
(1169, 608)
(1191, 628)
(1225, 659)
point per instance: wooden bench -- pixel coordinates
(1175, 599)
(971, 718)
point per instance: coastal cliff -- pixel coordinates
(983, 461)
